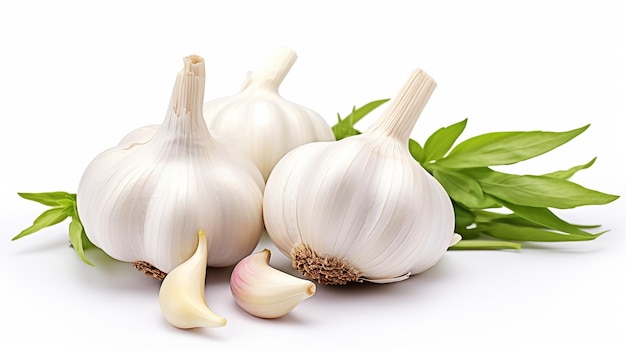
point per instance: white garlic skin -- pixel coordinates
(181, 295)
(145, 199)
(259, 122)
(362, 200)
(138, 136)
(264, 291)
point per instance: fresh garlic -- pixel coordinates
(259, 122)
(144, 199)
(264, 291)
(362, 208)
(181, 296)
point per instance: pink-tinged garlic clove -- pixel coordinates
(264, 291)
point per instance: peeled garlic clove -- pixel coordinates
(259, 122)
(264, 291)
(181, 296)
(361, 208)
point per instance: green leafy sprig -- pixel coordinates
(63, 206)
(479, 193)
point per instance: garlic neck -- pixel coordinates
(402, 114)
(184, 122)
(271, 74)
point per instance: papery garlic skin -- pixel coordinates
(264, 291)
(181, 296)
(259, 122)
(144, 199)
(362, 208)
(138, 136)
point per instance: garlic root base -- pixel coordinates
(324, 270)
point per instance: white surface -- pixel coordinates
(76, 77)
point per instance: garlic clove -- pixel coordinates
(264, 291)
(181, 296)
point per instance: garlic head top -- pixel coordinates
(259, 122)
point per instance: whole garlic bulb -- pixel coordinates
(362, 208)
(259, 122)
(146, 199)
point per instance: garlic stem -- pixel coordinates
(274, 70)
(190, 87)
(399, 118)
(184, 121)
(485, 245)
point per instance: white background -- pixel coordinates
(76, 76)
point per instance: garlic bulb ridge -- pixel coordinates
(362, 208)
(144, 199)
(259, 122)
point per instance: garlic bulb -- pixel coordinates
(264, 291)
(362, 208)
(259, 122)
(181, 296)
(145, 199)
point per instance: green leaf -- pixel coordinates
(466, 234)
(87, 244)
(64, 206)
(483, 216)
(545, 217)
(77, 233)
(67, 203)
(49, 198)
(503, 148)
(345, 127)
(537, 191)
(47, 218)
(463, 216)
(416, 151)
(513, 232)
(568, 173)
(440, 142)
(462, 188)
